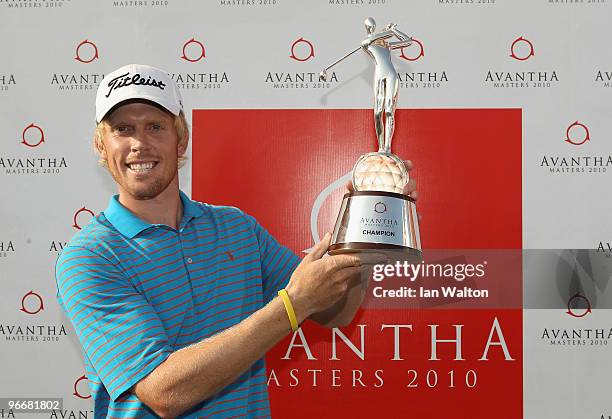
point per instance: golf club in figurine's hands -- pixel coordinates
(376, 215)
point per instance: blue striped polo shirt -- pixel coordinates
(136, 292)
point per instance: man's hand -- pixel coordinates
(317, 283)
(343, 310)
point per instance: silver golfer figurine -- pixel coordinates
(377, 216)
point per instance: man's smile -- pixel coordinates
(141, 167)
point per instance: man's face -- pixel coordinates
(141, 147)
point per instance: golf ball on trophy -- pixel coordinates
(380, 172)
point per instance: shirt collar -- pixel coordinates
(190, 210)
(129, 225)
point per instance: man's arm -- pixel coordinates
(195, 373)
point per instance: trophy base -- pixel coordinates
(394, 252)
(376, 221)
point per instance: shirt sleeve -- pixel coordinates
(277, 262)
(119, 331)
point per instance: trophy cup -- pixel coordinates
(377, 216)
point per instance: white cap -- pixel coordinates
(137, 81)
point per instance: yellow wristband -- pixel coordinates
(289, 307)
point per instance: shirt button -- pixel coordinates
(189, 260)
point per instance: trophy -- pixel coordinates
(377, 216)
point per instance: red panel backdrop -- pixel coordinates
(274, 163)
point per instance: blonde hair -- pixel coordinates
(180, 125)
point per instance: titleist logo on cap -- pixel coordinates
(125, 80)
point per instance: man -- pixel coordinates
(174, 301)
